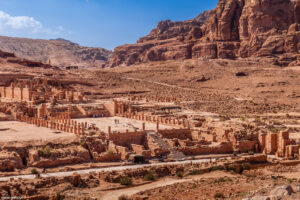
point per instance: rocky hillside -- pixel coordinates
(60, 52)
(10, 61)
(235, 29)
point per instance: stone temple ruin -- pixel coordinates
(151, 126)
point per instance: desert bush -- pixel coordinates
(60, 196)
(251, 153)
(149, 177)
(34, 171)
(246, 166)
(110, 152)
(230, 168)
(126, 180)
(196, 172)
(45, 152)
(179, 174)
(123, 197)
(215, 168)
(219, 195)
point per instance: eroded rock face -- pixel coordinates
(58, 157)
(10, 161)
(235, 29)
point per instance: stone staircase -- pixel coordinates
(81, 109)
(174, 155)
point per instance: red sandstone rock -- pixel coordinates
(63, 156)
(10, 161)
(236, 28)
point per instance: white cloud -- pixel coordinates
(23, 24)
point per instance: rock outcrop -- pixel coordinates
(10, 161)
(58, 157)
(57, 52)
(10, 60)
(235, 29)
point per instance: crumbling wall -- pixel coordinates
(127, 138)
(181, 134)
(246, 145)
(208, 149)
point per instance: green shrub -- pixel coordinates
(219, 195)
(60, 196)
(123, 197)
(251, 153)
(230, 168)
(149, 177)
(126, 181)
(45, 152)
(110, 152)
(179, 174)
(196, 172)
(220, 180)
(215, 168)
(34, 171)
(246, 166)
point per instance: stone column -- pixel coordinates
(79, 129)
(157, 126)
(82, 130)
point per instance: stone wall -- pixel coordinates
(127, 138)
(58, 157)
(246, 146)
(181, 134)
(208, 149)
(107, 157)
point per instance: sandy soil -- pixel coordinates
(17, 131)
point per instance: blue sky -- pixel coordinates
(97, 23)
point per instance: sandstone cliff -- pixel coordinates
(235, 29)
(60, 52)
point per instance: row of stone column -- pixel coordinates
(154, 98)
(64, 117)
(57, 123)
(184, 123)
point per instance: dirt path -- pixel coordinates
(158, 83)
(113, 195)
(108, 169)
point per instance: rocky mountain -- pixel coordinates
(58, 52)
(235, 29)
